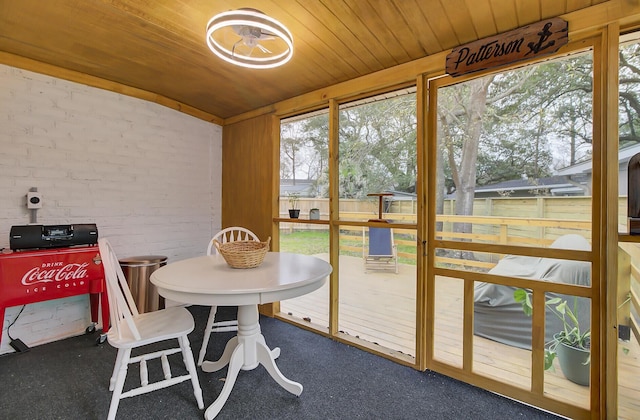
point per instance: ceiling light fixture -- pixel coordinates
(249, 38)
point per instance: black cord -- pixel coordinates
(14, 321)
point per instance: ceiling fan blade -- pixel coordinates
(263, 49)
(266, 35)
(237, 44)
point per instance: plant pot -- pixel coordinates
(294, 214)
(574, 363)
(314, 214)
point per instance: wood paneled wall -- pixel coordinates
(247, 175)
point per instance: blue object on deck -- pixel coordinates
(381, 254)
(380, 242)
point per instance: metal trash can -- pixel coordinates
(137, 270)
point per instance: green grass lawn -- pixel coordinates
(310, 242)
(306, 242)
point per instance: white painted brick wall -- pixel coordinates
(148, 176)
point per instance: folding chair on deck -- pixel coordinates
(381, 253)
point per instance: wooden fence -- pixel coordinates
(542, 207)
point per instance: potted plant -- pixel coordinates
(294, 211)
(572, 344)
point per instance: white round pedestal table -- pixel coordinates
(208, 280)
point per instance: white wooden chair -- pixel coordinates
(130, 329)
(230, 234)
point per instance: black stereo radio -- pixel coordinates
(52, 236)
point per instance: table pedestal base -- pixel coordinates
(246, 351)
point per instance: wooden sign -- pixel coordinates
(535, 40)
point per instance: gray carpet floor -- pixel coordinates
(69, 379)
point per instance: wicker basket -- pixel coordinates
(243, 254)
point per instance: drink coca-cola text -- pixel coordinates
(46, 275)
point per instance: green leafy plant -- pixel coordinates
(571, 334)
(293, 200)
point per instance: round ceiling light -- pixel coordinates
(249, 38)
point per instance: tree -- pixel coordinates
(290, 143)
(629, 87)
(462, 116)
(304, 151)
(378, 147)
(471, 99)
(500, 127)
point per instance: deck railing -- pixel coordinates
(536, 232)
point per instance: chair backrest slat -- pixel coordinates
(231, 234)
(122, 307)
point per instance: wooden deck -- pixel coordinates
(380, 308)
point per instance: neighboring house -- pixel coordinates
(302, 187)
(572, 180)
(400, 196)
(525, 187)
(585, 168)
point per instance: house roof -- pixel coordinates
(586, 166)
(558, 183)
(526, 184)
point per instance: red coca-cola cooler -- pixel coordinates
(29, 276)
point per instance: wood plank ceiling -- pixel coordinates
(159, 45)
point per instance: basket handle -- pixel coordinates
(217, 244)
